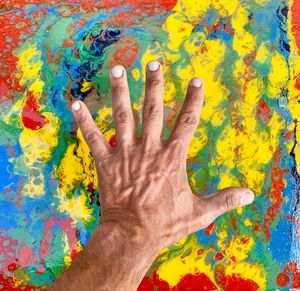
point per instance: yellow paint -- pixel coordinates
(197, 144)
(76, 206)
(136, 74)
(86, 86)
(238, 249)
(244, 42)
(263, 53)
(248, 222)
(37, 147)
(171, 270)
(179, 30)
(278, 75)
(30, 65)
(251, 271)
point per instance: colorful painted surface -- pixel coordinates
(247, 52)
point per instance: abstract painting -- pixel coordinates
(248, 54)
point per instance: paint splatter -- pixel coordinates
(248, 53)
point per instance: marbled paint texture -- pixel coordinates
(247, 52)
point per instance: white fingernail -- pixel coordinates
(196, 82)
(247, 198)
(153, 66)
(117, 71)
(76, 106)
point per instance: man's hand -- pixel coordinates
(145, 197)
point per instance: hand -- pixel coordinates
(145, 197)
(143, 184)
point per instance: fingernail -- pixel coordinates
(247, 198)
(117, 71)
(196, 82)
(76, 106)
(153, 66)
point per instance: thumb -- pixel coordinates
(228, 199)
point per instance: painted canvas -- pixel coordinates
(248, 53)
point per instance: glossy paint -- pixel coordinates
(247, 52)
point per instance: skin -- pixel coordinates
(145, 197)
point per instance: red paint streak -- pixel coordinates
(295, 19)
(295, 9)
(209, 230)
(30, 115)
(275, 195)
(234, 223)
(290, 270)
(233, 282)
(199, 282)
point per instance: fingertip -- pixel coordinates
(76, 106)
(153, 66)
(196, 82)
(117, 72)
(247, 198)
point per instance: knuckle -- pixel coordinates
(153, 82)
(229, 202)
(82, 118)
(152, 110)
(193, 98)
(188, 119)
(122, 116)
(92, 137)
(118, 89)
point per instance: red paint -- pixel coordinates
(209, 230)
(30, 115)
(167, 4)
(282, 279)
(275, 195)
(113, 141)
(127, 54)
(295, 19)
(263, 111)
(189, 282)
(220, 256)
(233, 282)
(262, 107)
(290, 273)
(10, 39)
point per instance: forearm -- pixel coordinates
(108, 262)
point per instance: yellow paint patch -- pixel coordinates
(86, 86)
(278, 75)
(173, 269)
(136, 74)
